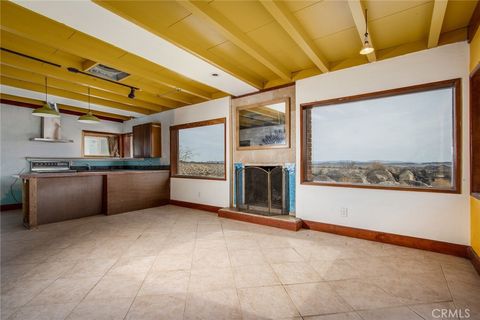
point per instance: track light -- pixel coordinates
(131, 95)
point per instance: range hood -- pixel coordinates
(51, 131)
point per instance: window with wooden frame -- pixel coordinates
(263, 125)
(106, 145)
(401, 139)
(197, 150)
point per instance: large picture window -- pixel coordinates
(197, 150)
(405, 139)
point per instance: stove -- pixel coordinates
(40, 166)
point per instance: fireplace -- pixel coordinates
(262, 190)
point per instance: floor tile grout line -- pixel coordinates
(140, 287)
(35, 296)
(96, 283)
(190, 272)
(446, 281)
(233, 275)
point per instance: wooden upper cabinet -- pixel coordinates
(147, 140)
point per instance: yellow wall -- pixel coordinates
(475, 224)
(475, 203)
(475, 51)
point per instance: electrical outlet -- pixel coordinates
(344, 212)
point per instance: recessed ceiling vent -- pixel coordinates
(103, 71)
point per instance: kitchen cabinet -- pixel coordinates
(53, 197)
(147, 140)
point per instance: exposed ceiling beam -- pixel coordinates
(27, 76)
(79, 48)
(438, 14)
(152, 92)
(359, 18)
(290, 24)
(9, 59)
(69, 95)
(129, 37)
(62, 107)
(228, 66)
(235, 35)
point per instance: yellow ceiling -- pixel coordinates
(263, 44)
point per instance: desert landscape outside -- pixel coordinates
(423, 175)
(405, 140)
(202, 152)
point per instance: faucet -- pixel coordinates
(88, 167)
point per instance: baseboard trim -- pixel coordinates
(12, 206)
(474, 258)
(390, 238)
(198, 206)
(262, 220)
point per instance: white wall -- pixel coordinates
(211, 192)
(437, 216)
(18, 126)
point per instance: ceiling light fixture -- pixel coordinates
(168, 92)
(131, 95)
(48, 110)
(132, 89)
(88, 117)
(367, 47)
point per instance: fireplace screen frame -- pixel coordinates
(242, 205)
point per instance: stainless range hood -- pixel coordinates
(51, 130)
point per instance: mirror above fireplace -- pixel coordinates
(264, 125)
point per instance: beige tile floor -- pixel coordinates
(177, 263)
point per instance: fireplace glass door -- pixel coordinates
(262, 190)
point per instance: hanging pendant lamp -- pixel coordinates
(88, 117)
(48, 110)
(367, 47)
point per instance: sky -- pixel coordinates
(206, 143)
(414, 127)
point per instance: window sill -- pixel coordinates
(199, 178)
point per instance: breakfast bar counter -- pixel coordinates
(58, 196)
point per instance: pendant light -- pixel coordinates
(48, 110)
(367, 47)
(88, 117)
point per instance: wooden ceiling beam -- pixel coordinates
(358, 15)
(27, 76)
(29, 47)
(228, 66)
(9, 59)
(69, 95)
(290, 24)
(63, 107)
(235, 35)
(13, 19)
(438, 14)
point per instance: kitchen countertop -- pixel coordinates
(30, 175)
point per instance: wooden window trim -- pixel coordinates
(123, 138)
(457, 133)
(287, 125)
(174, 147)
(88, 133)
